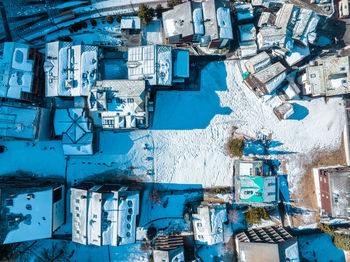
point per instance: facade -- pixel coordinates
(217, 23)
(119, 104)
(267, 244)
(22, 73)
(268, 79)
(183, 23)
(31, 208)
(254, 185)
(327, 77)
(332, 191)
(25, 122)
(159, 65)
(104, 215)
(208, 223)
(75, 128)
(70, 70)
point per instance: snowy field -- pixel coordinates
(186, 144)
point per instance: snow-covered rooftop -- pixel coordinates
(70, 70)
(130, 22)
(16, 70)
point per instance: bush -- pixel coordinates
(235, 147)
(93, 22)
(341, 241)
(109, 19)
(118, 18)
(145, 14)
(151, 233)
(159, 11)
(172, 3)
(326, 229)
(254, 215)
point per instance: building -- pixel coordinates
(208, 223)
(22, 74)
(75, 128)
(26, 122)
(244, 11)
(284, 111)
(104, 215)
(332, 186)
(274, 37)
(298, 54)
(247, 39)
(217, 23)
(327, 76)
(168, 248)
(70, 70)
(267, 244)
(254, 185)
(266, 19)
(119, 104)
(159, 65)
(257, 62)
(31, 208)
(131, 24)
(343, 8)
(183, 23)
(268, 79)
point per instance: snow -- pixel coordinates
(152, 34)
(198, 21)
(319, 247)
(40, 221)
(224, 23)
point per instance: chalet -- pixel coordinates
(268, 79)
(254, 185)
(267, 244)
(104, 215)
(247, 40)
(70, 70)
(208, 223)
(328, 76)
(257, 62)
(31, 208)
(119, 104)
(159, 65)
(217, 23)
(168, 248)
(22, 74)
(25, 122)
(332, 192)
(75, 128)
(274, 37)
(284, 111)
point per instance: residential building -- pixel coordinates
(159, 65)
(268, 79)
(183, 23)
(130, 23)
(254, 184)
(31, 208)
(244, 11)
(168, 248)
(332, 186)
(257, 62)
(298, 54)
(274, 37)
(119, 104)
(327, 76)
(208, 223)
(22, 74)
(284, 111)
(70, 70)
(267, 244)
(266, 19)
(26, 122)
(104, 215)
(247, 39)
(75, 128)
(217, 23)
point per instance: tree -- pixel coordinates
(145, 14)
(159, 11)
(172, 3)
(93, 22)
(341, 241)
(235, 147)
(118, 18)
(109, 19)
(151, 233)
(254, 215)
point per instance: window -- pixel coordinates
(320, 179)
(313, 75)
(77, 201)
(325, 180)
(77, 215)
(130, 100)
(199, 224)
(95, 216)
(200, 237)
(57, 194)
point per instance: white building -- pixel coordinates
(174, 255)
(17, 71)
(119, 104)
(104, 215)
(70, 70)
(257, 62)
(155, 64)
(208, 224)
(247, 40)
(74, 127)
(30, 209)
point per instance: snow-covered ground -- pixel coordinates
(186, 144)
